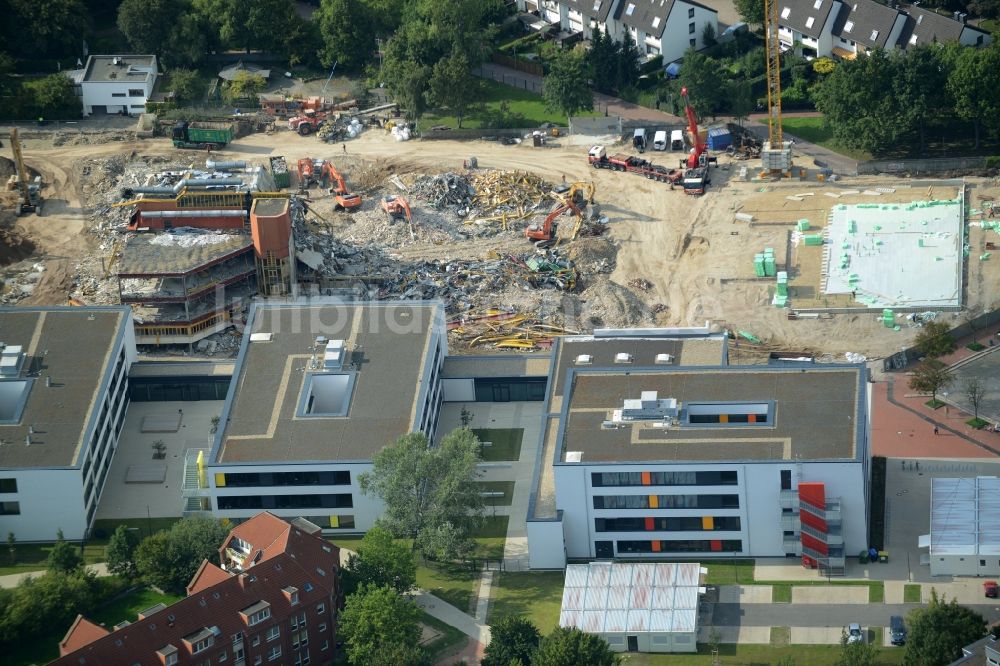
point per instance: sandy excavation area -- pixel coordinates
(674, 260)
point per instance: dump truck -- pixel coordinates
(599, 159)
(696, 180)
(202, 134)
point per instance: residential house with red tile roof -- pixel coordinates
(274, 601)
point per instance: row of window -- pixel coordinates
(682, 546)
(709, 478)
(265, 479)
(343, 500)
(660, 524)
(667, 502)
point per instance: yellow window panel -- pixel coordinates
(334, 521)
(707, 523)
(220, 480)
(654, 502)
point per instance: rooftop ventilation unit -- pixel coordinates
(584, 359)
(261, 337)
(10, 360)
(574, 456)
(623, 357)
(664, 359)
(333, 356)
(647, 408)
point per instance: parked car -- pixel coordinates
(660, 140)
(639, 139)
(897, 630)
(854, 633)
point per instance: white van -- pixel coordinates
(660, 140)
(677, 140)
(639, 139)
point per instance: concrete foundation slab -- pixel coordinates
(896, 255)
(815, 635)
(830, 594)
(745, 594)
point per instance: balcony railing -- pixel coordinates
(831, 514)
(790, 521)
(195, 484)
(831, 538)
(788, 499)
(791, 545)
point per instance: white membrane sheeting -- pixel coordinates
(965, 516)
(896, 255)
(604, 597)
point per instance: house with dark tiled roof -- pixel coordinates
(865, 25)
(846, 28)
(809, 24)
(658, 27)
(926, 27)
(274, 600)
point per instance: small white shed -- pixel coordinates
(635, 607)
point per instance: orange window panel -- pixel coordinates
(656, 546)
(646, 479)
(751, 418)
(649, 525)
(707, 523)
(723, 418)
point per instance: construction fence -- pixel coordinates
(485, 133)
(513, 80)
(929, 165)
(520, 65)
(977, 328)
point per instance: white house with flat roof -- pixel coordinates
(63, 396)
(116, 83)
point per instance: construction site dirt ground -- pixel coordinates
(694, 253)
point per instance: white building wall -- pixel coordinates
(49, 500)
(676, 36)
(758, 489)
(366, 508)
(546, 546)
(965, 565)
(107, 93)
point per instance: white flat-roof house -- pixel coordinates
(116, 83)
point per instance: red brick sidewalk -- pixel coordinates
(898, 432)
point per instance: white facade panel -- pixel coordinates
(546, 547)
(458, 390)
(49, 500)
(676, 37)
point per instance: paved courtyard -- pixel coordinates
(985, 367)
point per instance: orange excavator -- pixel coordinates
(544, 235)
(397, 208)
(306, 169)
(344, 200)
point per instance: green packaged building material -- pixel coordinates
(803, 225)
(813, 239)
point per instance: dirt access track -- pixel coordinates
(696, 255)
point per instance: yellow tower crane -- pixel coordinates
(776, 156)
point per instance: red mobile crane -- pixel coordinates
(697, 177)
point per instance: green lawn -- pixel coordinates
(104, 528)
(452, 583)
(505, 487)
(813, 131)
(757, 655)
(128, 607)
(534, 595)
(505, 443)
(32, 557)
(528, 104)
(911, 594)
(729, 572)
(450, 637)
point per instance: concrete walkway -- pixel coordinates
(12, 580)
(451, 616)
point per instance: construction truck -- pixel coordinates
(343, 199)
(698, 162)
(31, 192)
(397, 208)
(202, 134)
(306, 168)
(544, 235)
(599, 159)
(310, 121)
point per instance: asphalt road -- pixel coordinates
(819, 615)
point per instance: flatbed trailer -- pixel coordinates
(599, 159)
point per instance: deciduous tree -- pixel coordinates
(148, 24)
(934, 339)
(974, 390)
(974, 83)
(170, 559)
(938, 631)
(571, 647)
(64, 557)
(452, 85)
(52, 97)
(932, 376)
(565, 86)
(741, 101)
(245, 85)
(922, 87)
(380, 561)
(377, 619)
(751, 11)
(347, 33)
(700, 75)
(48, 28)
(861, 653)
(426, 488)
(121, 552)
(514, 639)
(186, 84)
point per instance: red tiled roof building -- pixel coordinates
(273, 602)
